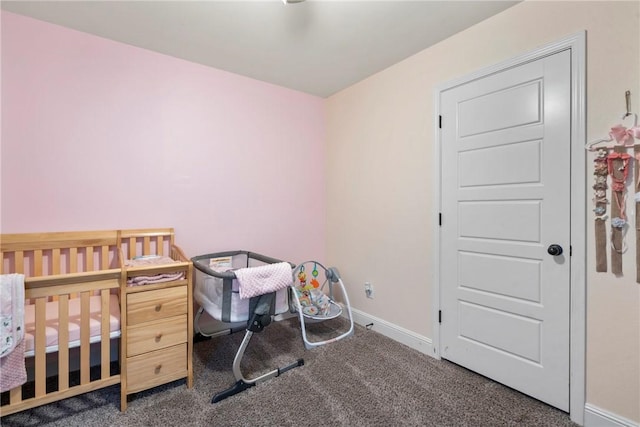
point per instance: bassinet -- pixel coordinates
(217, 292)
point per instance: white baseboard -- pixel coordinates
(396, 333)
(596, 417)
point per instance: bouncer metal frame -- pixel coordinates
(336, 309)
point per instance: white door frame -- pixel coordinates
(576, 43)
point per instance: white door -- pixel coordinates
(505, 173)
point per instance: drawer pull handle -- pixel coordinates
(157, 370)
(158, 337)
(158, 307)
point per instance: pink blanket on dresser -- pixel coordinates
(12, 342)
(151, 261)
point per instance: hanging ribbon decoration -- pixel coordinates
(618, 167)
(600, 172)
(636, 152)
(624, 136)
(614, 161)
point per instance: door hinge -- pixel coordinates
(570, 250)
(440, 122)
(440, 219)
(439, 316)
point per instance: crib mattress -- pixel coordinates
(51, 328)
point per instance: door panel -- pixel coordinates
(508, 220)
(518, 106)
(484, 326)
(505, 198)
(478, 272)
(473, 169)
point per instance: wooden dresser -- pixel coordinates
(156, 319)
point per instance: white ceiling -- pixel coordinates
(317, 47)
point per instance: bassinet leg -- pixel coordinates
(232, 391)
(243, 383)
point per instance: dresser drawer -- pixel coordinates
(155, 335)
(157, 304)
(157, 367)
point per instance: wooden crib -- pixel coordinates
(63, 270)
(82, 277)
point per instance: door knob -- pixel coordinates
(554, 250)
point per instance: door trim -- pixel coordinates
(576, 43)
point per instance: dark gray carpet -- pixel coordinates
(366, 380)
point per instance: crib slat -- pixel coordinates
(146, 245)
(55, 261)
(40, 347)
(63, 342)
(89, 259)
(88, 254)
(37, 262)
(104, 251)
(159, 245)
(55, 267)
(73, 264)
(19, 262)
(84, 338)
(15, 395)
(105, 343)
(132, 247)
(73, 260)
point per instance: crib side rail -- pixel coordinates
(46, 254)
(146, 241)
(36, 287)
(83, 280)
(41, 291)
(178, 254)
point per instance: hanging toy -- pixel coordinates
(302, 277)
(314, 273)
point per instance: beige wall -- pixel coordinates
(380, 164)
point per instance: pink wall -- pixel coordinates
(97, 135)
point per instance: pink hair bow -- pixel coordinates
(624, 135)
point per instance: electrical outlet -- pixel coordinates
(368, 289)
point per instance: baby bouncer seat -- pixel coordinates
(315, 302)
(242, 286)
